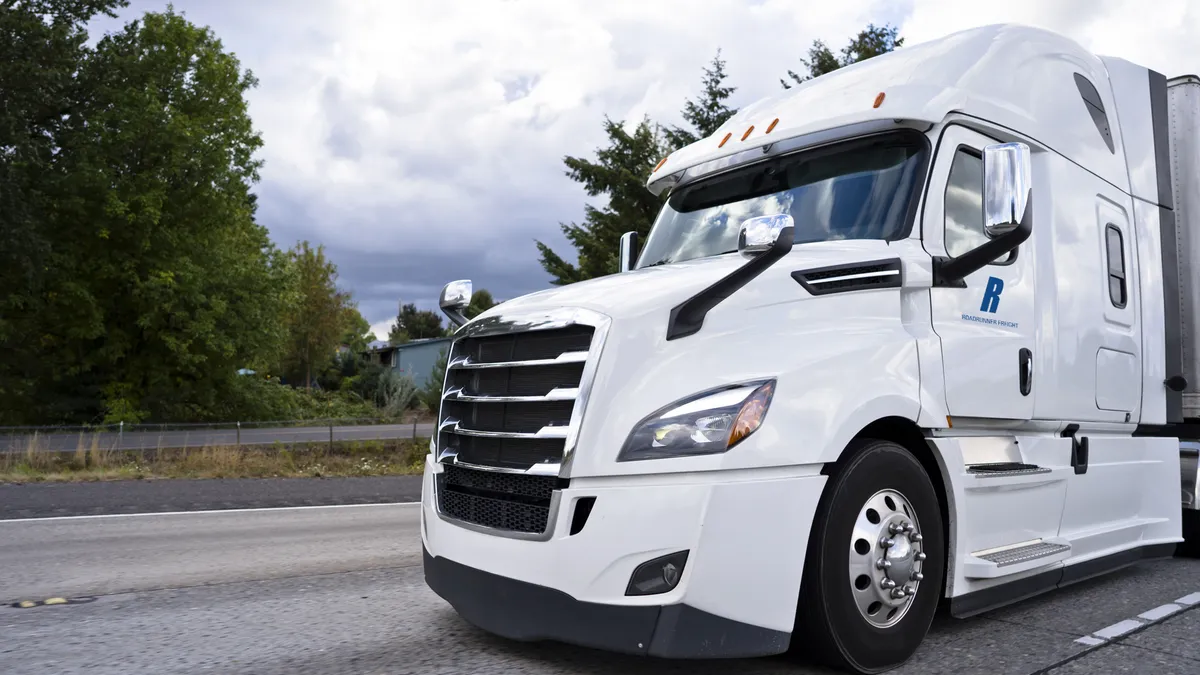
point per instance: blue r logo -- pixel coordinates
(991, 296)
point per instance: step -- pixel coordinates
(1003, 469)
(998, 562)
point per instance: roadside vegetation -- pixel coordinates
(92, 462)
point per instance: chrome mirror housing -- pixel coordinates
(627, 256)
(456, 296)
(760, 233)
(1007, 187)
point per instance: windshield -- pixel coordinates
(859, 189)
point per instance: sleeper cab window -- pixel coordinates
(964, 205)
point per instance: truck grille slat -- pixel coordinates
(508, 405)
(515, 502)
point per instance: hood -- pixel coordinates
(659, 288)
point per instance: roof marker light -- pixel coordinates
(747, 134)
(724, 140)
(878, 100)
(772, 126)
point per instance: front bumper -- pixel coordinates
(527, 612)
(746, 534)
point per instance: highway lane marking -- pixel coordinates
(207, 511)
(1146, 619)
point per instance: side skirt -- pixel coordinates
(988, 599)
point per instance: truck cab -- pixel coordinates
(918, 331)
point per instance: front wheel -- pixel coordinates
(876, 558)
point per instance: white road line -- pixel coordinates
(1160, 612)
(1189, 599)
(1118, 629)
(190, 513)
(1146, 618)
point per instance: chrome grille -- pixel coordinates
(511, 406)
(509, 397)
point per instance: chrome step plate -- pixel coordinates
(1012, 556)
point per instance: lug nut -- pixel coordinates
(917, 576)
(916, 537)
(886, 542)
(908, 527)
(921, 557)
(883, 564)
(887, 583)
(899, 593)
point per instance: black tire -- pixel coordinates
(829, 627)
(1190, 548)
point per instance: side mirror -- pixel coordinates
(1007, 213)
(1006, 187)
(760, 233)
(456, 296)
(627, 256)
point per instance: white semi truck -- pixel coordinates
(921, 330)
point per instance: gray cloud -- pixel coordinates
(423, 142)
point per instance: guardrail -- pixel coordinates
(170, 436)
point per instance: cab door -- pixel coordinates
(986, 323)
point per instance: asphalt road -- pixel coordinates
(198, 438)
(340, 590)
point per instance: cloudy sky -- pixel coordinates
(422, 142)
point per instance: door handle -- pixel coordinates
(1026, 366)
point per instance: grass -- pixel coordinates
(91, 462)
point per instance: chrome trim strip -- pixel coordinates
(544, 432)
(546, 469)
(565, 357)
(848, 277)
(556, 394)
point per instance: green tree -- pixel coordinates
(42, 46)
(481, 301)
(159, 283)
(319, 318)
(871, 41)
(709, 113)
(415, 324)
(619, 173)
(356, 334)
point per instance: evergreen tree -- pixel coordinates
(481, 301)
(871, 41)
(709, 113)
(620, 172)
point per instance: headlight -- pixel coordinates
(708, 423)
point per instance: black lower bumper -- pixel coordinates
(527, 612)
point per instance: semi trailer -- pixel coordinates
(920, 331)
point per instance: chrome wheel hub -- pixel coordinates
(886, 558)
